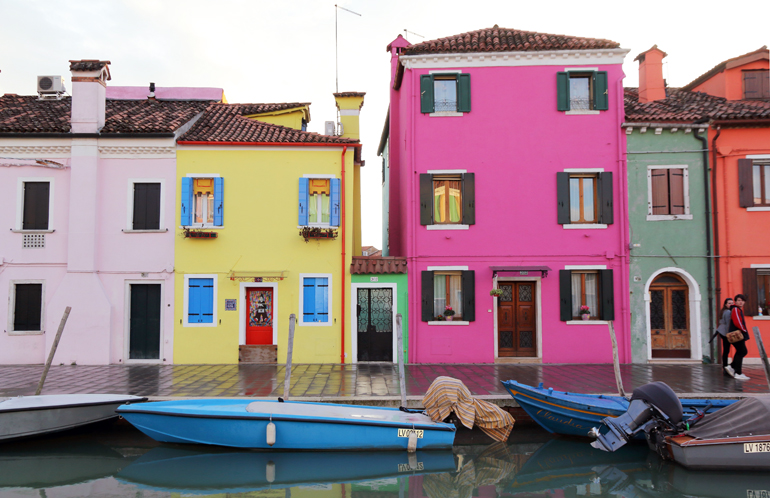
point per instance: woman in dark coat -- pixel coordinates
(723, 329)
(738, 322)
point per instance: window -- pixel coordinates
(584, 198)
(319, 202)
(315, 299)
(146, 206)
(445, 93)
(26, 306)
(763, 290)
(202, 201)
(586, 287)
(36, 205)
(582, 91)
(667, 188)
(200, 299)
(754, 183)
(756, 84)
(450, 287)
(447, 199)
(756, 287)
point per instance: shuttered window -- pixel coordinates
(756, 287)
(319, 202)
(582, 91)
(753, 183)
(592, 288)
(448, 288)
(27, 307)
(36, 205)
(584, 198)
(200, 300)
(448, 199)
(667, 191)
(315, 300)
(450, 92)
(146, 215)
(756, 84)
(202, 201)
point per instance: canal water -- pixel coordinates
(115, 460)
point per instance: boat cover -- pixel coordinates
(447, 394)
(747, 417)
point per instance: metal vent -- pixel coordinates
(33, 241)
(45, 83)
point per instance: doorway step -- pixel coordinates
(518, 360)
(258, 353)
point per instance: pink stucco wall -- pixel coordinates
(515, 141)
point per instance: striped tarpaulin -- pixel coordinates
(447, 394)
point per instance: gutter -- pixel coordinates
(86, 135)
(283, 144)
(344, 280)
(715, 210)
(705, 142)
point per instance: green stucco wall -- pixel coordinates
(402, 300)
(678, 244)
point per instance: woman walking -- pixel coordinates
(723, 328)
(738, 322)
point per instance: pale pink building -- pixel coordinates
(507, 172)
(87, 193)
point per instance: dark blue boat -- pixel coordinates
(574, 414)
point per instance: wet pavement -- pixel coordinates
(367, 382)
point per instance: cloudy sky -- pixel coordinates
(284, 50)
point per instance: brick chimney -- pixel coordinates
(89, 88)
(349, 105)
(651, 83)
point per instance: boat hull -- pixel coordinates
(298, 426)
(723, 453)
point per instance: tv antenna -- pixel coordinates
(336, 56)
(406, 31)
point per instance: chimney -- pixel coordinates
(151, 95)
(89, 88)
(651, 84)
(349, 104)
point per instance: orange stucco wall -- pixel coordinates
(729, 83)
(744, 236)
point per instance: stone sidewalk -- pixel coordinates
(372, 383)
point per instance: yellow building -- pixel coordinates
(269, 219)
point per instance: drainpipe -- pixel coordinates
(705, 142)
(342, 223)
(715, 210)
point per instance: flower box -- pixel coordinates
(308, 233)
(199, 234)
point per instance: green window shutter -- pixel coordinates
(601, 92)
(427, 296)
(607, 292)
(562, 197)
(426, 93)
(565, 295)
(469, 199)
(468, 283)
(604, 189)
(746, 182)
(426, 199)
(562, 91)
(464, 92)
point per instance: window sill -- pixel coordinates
(763, 317)
(316, 226)
(581, 113)
(314, 324)
(453, 322)
(160, 230)
(16, 230)
(448, 227)
(199, 325)
(759, 208)
(200, 227)
(26, 332)
(584, 226)
(445, 114)
(668, 217)
(587, 322)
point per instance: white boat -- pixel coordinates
(26, 416)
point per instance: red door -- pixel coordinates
(259, 321)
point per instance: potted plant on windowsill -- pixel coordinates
(496, 292)
(449, 313)
(585, 312)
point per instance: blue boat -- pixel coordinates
(289, 425)
(574, 414)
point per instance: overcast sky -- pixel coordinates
(284, 50)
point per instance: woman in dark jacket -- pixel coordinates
(738, 322)
(723, 329)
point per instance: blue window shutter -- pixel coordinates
(187, 201)
(194, 301)
(322, 299)
(219, 201)
(304, 188)
(335, 203)
(308, 300)
(207, 301)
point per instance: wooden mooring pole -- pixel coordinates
(616, 360)
(53, 350)
(762, 354)
(287, 374)
(400, 353)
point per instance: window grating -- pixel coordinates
(33, 241)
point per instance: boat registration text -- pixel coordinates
(406, 432)
(755, 447)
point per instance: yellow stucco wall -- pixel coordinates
(291, 118)
(260, 234)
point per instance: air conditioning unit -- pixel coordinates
(50, 87)
(329, 128)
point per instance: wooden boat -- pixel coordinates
(26, 416)
(288, 425)
(575, 414)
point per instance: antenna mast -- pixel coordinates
(406, 31)
(336, 51)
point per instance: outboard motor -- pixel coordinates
(650, 404)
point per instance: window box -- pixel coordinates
(308, 233)
(199, 234)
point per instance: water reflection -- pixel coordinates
(116, 460)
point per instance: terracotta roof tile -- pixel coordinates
(685, 106)
(88, 65)
(350, 94)
(497, 39)
(363, 265)
(760, 53)
(248, 109)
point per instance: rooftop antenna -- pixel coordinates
(406, 31)
(336, 57)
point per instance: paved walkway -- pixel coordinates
(364, 381)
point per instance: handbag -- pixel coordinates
(734, 336)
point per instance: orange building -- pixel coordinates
(739, 144)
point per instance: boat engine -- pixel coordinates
(653, 406)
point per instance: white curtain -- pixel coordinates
(456, 294)
(439, 294)
(576, 298)
(592, 296)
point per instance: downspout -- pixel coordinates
(709, 260)
(715, 210)
(625, 234)
(342, 224)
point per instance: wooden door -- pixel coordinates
(516, 324)
(259, 318)
(669, 317)
(144, 324)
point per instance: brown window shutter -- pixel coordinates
(659, 199)
(676, 189)
(746, 182)
(750, 291)
(764, 77)
(752, 85)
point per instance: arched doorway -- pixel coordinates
(669, 317)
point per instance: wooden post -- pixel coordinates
(400, 359)
(762, 354)
(53, 350)
(616, 360)
(287, 374)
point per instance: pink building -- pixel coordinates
(87, 191)
(507, 173)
